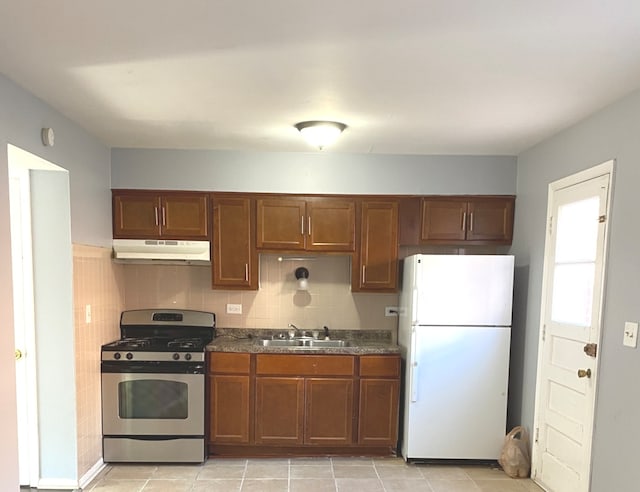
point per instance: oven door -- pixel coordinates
(159, 404)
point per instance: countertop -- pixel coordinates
(361, 342)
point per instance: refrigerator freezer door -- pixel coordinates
(458, 399)
(463, 290)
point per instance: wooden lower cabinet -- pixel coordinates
(379, 400)
(328, 411)
(229, 386)
(229, 408)
(378, 422)
(287, 404)
(279, 411)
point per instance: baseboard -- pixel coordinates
(93, 472)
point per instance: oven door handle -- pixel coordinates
(148, 367)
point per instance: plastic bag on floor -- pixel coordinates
(514, 458)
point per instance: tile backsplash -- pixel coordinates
(329, 300)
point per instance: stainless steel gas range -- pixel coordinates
(153, 387)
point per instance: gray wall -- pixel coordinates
(610, 134)
(88, 162)
(312, 172)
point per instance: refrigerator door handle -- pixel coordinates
(414, 312)
(414, 368)
(414, 382)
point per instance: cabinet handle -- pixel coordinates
(364, 269)
(302, 225)
(155, 210)
(246, 272)
(164, 217)
(471, 221)
(464, 221)
(309, 225)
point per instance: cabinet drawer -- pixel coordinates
(229, 363)
(379, 366)
(305, 365)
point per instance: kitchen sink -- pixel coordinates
(281, 343)
(328, 343)
(303, 343)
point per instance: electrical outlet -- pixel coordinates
(630, 338)
(234, 308)
(391, 311)
(87, 313)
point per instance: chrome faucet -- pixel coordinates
(297, 330)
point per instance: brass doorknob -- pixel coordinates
(18, 354)
(584, 374)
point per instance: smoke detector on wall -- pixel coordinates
(48, 137)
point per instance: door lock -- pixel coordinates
(591, 349)
(584, 374)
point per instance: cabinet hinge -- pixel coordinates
(537, 435)
(550, 224)
(602, 219)
(544, 332)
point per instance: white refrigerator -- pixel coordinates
(454, 331)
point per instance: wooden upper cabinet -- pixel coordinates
(443, 219)
(234, 259)
(376, 268)
(467, 220)
(491, 220)
(280, 223)
(174, 215)
(299, 224)
(331, 224)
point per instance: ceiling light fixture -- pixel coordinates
(320, 133)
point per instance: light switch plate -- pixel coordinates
(630, 338)
(234, 308)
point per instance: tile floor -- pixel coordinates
(307, 475)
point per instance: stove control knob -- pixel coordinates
(176, 356)
(129, 355)
(117, 356)
(187, 356)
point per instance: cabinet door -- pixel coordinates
(235, 262)
(378, 255)
(378, 422)
(279, 411)
(331, 224)
(136, 215)
(491, 219)
(184, 216)
(229, 409)
(280, 223)
(443, 220)
(328, 411)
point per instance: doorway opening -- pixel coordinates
(43, 313)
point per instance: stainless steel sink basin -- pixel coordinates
(329, 343)
(281, 343)
(303, 343)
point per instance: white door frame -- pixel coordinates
(591, 173)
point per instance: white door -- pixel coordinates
(22, 272)
(570, 331)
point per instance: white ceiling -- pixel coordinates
(406, 76)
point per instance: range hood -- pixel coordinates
(161, 251)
